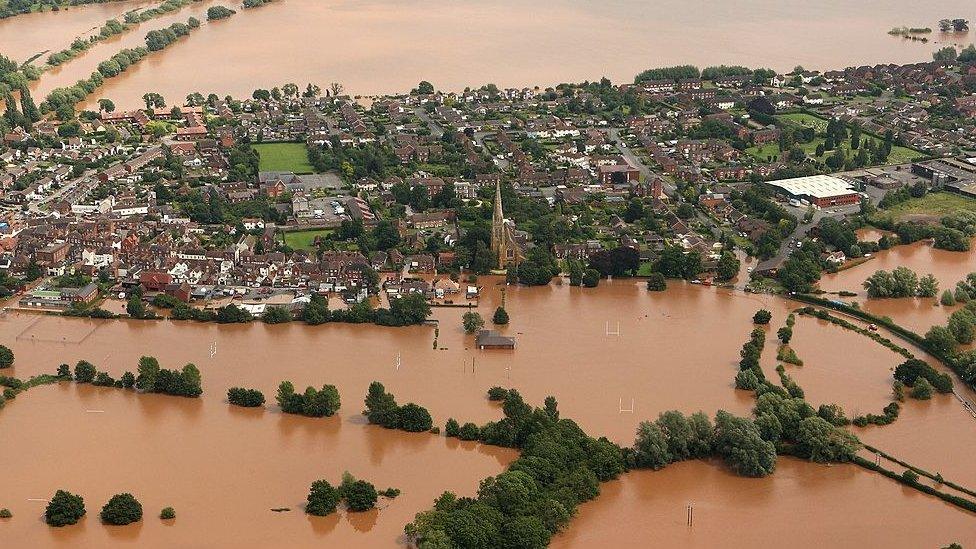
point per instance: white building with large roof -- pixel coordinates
(822, 190)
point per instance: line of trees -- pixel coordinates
(382, 409)
(901, 282)
(313, 402)
(150, 379)
(247, 398)
(323, 498)
(560, 466)
(62, 101)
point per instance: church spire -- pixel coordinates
(498, 244)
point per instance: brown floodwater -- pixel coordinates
(918, 314)
(26, 35)
(809, 505)
(380, 46)
(675, 350)
(85, 64)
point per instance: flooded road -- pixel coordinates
(466, 43)
(202, 456)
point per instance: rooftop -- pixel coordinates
(817, 186)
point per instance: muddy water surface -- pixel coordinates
(380, 46)
(600, 352)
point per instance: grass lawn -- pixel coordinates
(899, 154)
(935, 204)
(646, 268)
(803, 119)
(283, 157)
(304, 240)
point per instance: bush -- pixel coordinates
(452, 429)
(656, 282)
(390, 493)
(322, 499)
(64, 508)
(497, 393)
(84, 372)
(360, 496)
(122, 509)
(5, 513)
(167, 513)
(762, 316)
(6, 357)
(248, 398)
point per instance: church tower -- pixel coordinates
(503, 244)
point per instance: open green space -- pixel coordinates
(283, 157)
(304, 240)
(935, 204)
(899, 154)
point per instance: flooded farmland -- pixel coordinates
(466, 43)
(601, 352)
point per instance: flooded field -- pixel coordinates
(471, 43)
(26, 35)
(202, 456)
(810, 505)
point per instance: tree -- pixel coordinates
(219, 12)
(135, 308)
(739, 442)
(425, 88)
(947, 54)
(762, 316)
(360, 496)
(322, 499)
(928, 286)
(947, 299)
(276, 315)
(591, 278)
(922, 389)
(656, 282)
(820, 441)
(6, 357)
(248, 398)
(84, 372)
(148, 373)
(651, 447)
(414, 418)
(472, 322)
(106, 105)
(64, 508)
(500, 317)
(728, 266)
(167, 513)
(381, 407)
(122, 509)
(153, 100)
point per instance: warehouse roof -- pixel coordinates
(817, 186)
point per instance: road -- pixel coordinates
(435, 129)
(625, 151)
